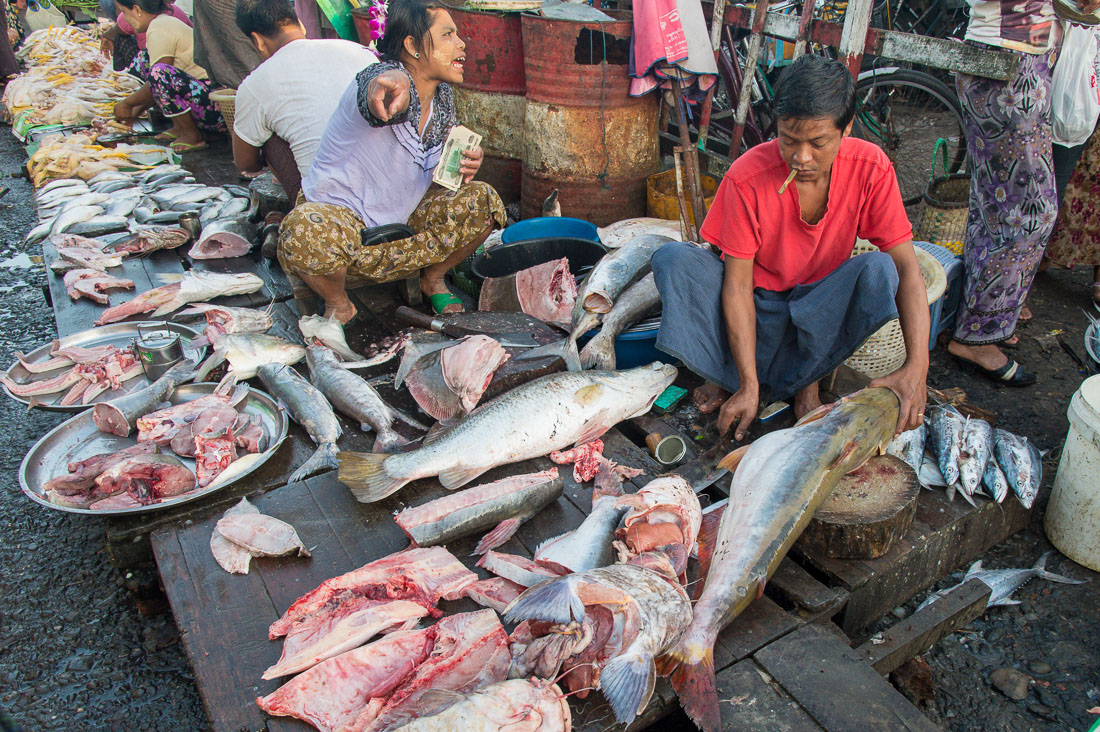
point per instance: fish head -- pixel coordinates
(650, 379)
(317, 353)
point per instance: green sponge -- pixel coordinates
(669, 398)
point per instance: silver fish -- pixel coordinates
(246, 352)
(629, 308)
(929, 475)
(353, 396)
(210, 211)
(909, 447)
(109, 176)
(145, 215)
(589, 545)
(309, 408)
(122, 206)
(99, 226)
(195, 195)
(977, 447)
(222, 320)
(615, 272)
(556, 411)
(945, 426)
(225, 238)
(114, 186)
(233, 207)
(73, 216)
(994, 481)
(60, 183)
(1003, 582)
(1022, 465)
(330, 333)
(39, 232)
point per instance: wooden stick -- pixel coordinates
(691, 163)
(687, 227)
(783, 188)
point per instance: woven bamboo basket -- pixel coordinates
(943, 212)
(884, 351)
(226, 99)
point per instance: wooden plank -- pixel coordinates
(762, 623)
(924, 628)
(836, 687)
(749, 702)
(810, 598)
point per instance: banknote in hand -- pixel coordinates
(448, 173)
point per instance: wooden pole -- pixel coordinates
(687, 228)
(804, 27)
(716, 22)
(691, 161)
(756, 41)
(853, 37)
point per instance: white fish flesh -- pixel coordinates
(231, 557)
(329, 332)
(224, 239)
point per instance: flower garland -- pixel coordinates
(376, 11)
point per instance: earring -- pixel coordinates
(416, 55)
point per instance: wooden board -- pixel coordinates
(749, 702)
(836, 687)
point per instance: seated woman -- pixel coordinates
(179, 87)
(374, 166)
(120, 43)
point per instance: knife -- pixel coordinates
(454, 330)
(702, 471)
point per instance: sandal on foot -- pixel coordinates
(441, 300)
(165, 136)
(182, 147)
(1011, 374)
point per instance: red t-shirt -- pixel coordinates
(750, 220)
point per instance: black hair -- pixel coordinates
(153, 7)
(406, 18)
(265, 17)
(816, 86)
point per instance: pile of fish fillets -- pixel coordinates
(967, 455)
(89, 372)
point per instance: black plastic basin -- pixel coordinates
(505, 259)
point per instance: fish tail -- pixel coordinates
(387, 442)
(599, 353)
(627, 683)
(365, 474)
(555, 601)
(324, 458)
(1040, 567)
(691, 670)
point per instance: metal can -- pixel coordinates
(158, 350)
(190, 220)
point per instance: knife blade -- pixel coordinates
(702, 471)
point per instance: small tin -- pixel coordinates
(190, 220)
(158, 350)
(668, 450)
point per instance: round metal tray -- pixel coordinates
(117, 334)
(78, 439)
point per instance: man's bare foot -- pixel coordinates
(806, 400)
(989, 357)
(343, 312)
(709, 397)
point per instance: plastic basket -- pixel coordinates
(944, 207)
(884, 351)
(226, 99)
(943, 310)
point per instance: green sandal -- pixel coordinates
(441, 300)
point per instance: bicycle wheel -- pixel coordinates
(904, 112)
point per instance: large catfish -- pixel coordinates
(779, 483)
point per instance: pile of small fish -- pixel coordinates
(243, 532)
(91, 372)
(66, 155)
(967, 455)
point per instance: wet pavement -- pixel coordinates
(77, 652)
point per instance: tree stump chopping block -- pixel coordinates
(269, 194)
(866, 513)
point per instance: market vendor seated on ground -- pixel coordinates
(786, 305)
(374, 167)
(282, 107)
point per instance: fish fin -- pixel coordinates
(1007, 601)
(434, 701)
(697, 689)
(323, 458)
(504, 531)
(951, 490)
(1040, 567)
(365, 474)
(598, 353)
(974, 569)
(705, 542)
(388, 442)
(457, 477)
(593, 430)
(556, 601)
(816, 414)
(408, 420)
(731, 461)
(627, 683)
(969, 498)
(229, 381)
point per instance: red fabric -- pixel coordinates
(750, 220)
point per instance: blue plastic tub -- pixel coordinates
(550, 226)
(635, 346)
(942, 312)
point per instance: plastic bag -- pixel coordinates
(1075, 97)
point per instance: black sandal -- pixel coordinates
(1011, 374)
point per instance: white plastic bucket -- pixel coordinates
(1073, 514)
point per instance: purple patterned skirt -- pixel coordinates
(1013, 204)
(177, 92)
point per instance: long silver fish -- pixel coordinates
(977, 448)
(309, 409)
(780, 481)
(1003, 582)
(590, 545)
(72, 216)
(909, 447)
(350, 394)
(1022, 465)
(629, 308)
(615, 272)
(555, 412)
(945, 426)
(657, 605)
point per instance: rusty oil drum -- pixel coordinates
(585, 135)
(490, 100)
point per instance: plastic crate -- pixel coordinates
(943, 310)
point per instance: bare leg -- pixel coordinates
(183, 127)
(330, 288)
(709, 397)
(806, 400)
(431, 277)
(987, 356)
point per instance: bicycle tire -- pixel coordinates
(904, 112)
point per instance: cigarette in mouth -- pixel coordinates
(783, 188)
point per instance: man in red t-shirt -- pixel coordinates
(786, 304)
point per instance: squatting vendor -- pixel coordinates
(786, 304)
(374, 167)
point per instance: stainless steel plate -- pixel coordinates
(1092, 342)
(117, 334)
(79, 439)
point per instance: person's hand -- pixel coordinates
(20, 5)
(909, 384)
(388, 95)
(739, 411)
(471, 162)
(13, 37)
(124, 112)
(106, 46)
